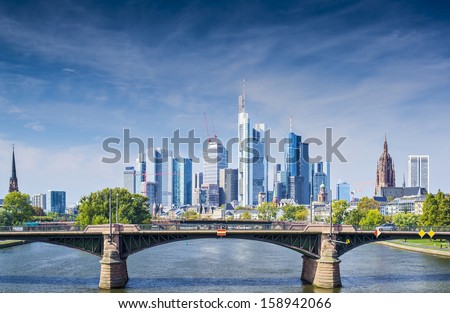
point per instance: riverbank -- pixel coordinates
(11, 243)
(409, 247)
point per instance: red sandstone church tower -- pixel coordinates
(385, 170)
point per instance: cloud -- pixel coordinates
(35, 126)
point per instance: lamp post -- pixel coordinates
(110, 217)
(117, 208)
(331, 214)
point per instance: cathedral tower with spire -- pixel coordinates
(13, 184)
(385, 170)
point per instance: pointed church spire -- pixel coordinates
(13, 184)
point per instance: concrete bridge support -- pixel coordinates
(113, 269)
(323, 272)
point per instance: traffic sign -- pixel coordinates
(431, 233)
(377, 232)
(421, 233)
(347, 242)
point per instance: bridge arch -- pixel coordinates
(308, 245)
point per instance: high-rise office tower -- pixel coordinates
(419, 171)
(319, 178)
(56, 202)
(214, 160)
(245, 168)
(343, 191)
(252, 157)
(259, 163)
(182, 181)
(40, 201)
(198, 181)
(129, 180)
(385, 170)
(141, 169)
(162, 173)
(297, 167)
(13, 182)
(228, 185)
(148, 189)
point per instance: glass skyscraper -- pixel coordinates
(343, 191)
(297, 167)
(56, 202)
(182, 181)
(162, 176)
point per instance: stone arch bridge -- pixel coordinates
(114, 244)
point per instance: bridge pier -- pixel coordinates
(113, 269)
(323, 272)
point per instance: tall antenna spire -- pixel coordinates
(242, 98)
(290, 123)
(243, 93)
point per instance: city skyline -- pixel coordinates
(329, 65)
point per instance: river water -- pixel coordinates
(219, 265)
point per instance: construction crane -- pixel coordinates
(206, 125)
(214, 129)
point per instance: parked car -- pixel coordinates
(387, 226)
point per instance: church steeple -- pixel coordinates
(13, 184)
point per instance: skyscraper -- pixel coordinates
(129, 180)
(245, 168)
(141, 169)
(13, 182)
(162, 174)
(297, 168)
(259, 163)
(419, 171)
(215, 160)
(182, 181)
(343, 191)
(228, 185)
(385, 170)
(319, 178)
(198, 181)
(56, 202)
(252, 157)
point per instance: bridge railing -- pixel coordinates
(215, 226)
(408, 228)
(47, 228)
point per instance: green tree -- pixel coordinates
(406, 220)
(372, 218)
(18, 205)
(38, 211)
(367, 204)
(267, 211)
(191, 215)
(295, 212)
(94, 209)
(246, 216)
(430, 210)
(5, 218)
(340, 211)
(444, 211)
(354, 217)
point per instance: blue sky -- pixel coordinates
(75, 72)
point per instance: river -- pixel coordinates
(219, 265)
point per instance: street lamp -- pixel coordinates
(117, 208)
(110, 217)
